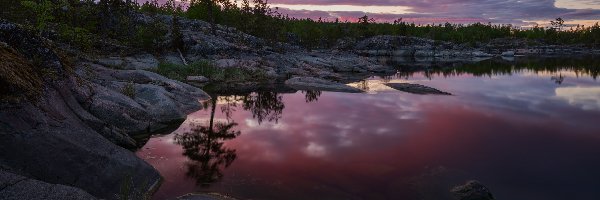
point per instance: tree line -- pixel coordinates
(256, 17)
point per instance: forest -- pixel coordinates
(79, 21)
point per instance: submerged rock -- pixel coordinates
(472, 190)
(416, 88)
(310, 83)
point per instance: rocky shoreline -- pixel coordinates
(71, 139)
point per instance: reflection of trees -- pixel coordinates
(558, 79)
(203, 145)
(264, 105)
(584, 66)
(364, 85)
(311, 95)
(229, 104)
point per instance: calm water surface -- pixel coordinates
(525, 131)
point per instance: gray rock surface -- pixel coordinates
(141, 61)
(311, 83)
(229, 48)
(50, 142)
(157, 102)
(68, 135)
(17, 187)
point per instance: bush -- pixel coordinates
(150, 36)
(76, 36)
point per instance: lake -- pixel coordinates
(526, 129)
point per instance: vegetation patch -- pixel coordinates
(18, 75)
(129, 90)
(120, 20)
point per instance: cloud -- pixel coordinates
(587, 98)
(518, 12)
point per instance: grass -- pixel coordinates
(129, 90)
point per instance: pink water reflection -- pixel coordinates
(522, 142)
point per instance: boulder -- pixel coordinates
(310, 83)
(472, 190)
(156, 102)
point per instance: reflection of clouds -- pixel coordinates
(365, 134)
(253, 123)
(588, 98)
(315, 150)
(267, 151)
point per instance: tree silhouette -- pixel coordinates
(558, 24)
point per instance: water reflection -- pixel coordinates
(578, 67)
(311, 95)
(558, 79)
(264, 105)
(519, 132)
(203, 146)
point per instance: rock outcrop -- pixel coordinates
(472, 190)
(71, 133)
(227, 47)
(16, 187)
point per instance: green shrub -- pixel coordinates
(129, 90)
(76, 36)
(42, 10)
(150, 36)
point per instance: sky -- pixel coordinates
(516, 12)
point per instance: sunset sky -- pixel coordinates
(516, 12)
